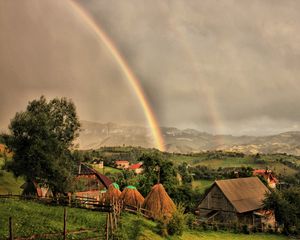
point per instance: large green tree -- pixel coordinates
(157, 169)
(41, 140)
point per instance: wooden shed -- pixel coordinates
(237, 200)
(89, 182)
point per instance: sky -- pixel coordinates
(223, 67)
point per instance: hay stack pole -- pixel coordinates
(132, 197)
(159, 204)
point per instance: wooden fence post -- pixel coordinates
(65, 224)
(11, 237)
(107, 226)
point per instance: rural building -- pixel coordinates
(159, 204)
(33, 188)
(89, 182)
(122, 164)
(98, 163)
(237, 200)
(267, 175)
(137, 168)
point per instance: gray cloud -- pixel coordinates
(197, 60)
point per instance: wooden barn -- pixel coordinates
(89, 182)
(237, 200)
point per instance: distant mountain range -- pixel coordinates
(95, 135)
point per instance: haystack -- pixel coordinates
(131, 197)
(113, 193)
(159, 204)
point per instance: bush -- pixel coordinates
(177, 223)
(245, 229)
(190, 220)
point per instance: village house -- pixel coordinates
(237, 200)
(267, 175)
(122, 164)
(33, 188)
(98, 163)
(89, 182)
(137, 168)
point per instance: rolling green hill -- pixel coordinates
(34, 218)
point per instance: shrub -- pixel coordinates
(245, 229)
(190, 220)
(177, 223)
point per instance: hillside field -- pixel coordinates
(35, 218)
(8, 183)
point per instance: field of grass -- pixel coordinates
(8, 183)
(134, 227)
(277, 167)
(202, 184)
(268, 161)
(35, 218)
(106, 169)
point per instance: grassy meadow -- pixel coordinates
(8, 183)
(34, 218)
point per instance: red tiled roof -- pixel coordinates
(135, 166)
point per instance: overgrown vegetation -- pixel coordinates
(31, 218)
(41, 139)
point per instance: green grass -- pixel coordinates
(202, 184)
(277, 167)
(8, 183)
(134, 227)
(106, 169)
(35, 218)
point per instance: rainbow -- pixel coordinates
(134, 82)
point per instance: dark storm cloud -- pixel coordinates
(241, 58)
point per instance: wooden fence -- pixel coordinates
(64, 233)
(113, 211)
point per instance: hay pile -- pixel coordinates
(131, 197)
(158, 202)
(113, 193)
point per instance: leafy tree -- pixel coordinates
(286, 205)
(41, 139)
(185, 174)
(157, 170)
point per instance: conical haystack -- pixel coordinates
(131, 197)
(158, 203)
(113, 193)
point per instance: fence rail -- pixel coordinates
(112, 209)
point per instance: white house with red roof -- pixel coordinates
(137, 168)
(267, 175)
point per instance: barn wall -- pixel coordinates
(215, 200)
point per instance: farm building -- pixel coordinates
(89, 182)
(267, 175)
(237, 200)
(137, 168)
(122, 164)
(34, 189)
(159, 204)
(131, 197)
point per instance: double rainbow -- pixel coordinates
(132, 79)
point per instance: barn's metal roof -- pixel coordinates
(245, 194)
